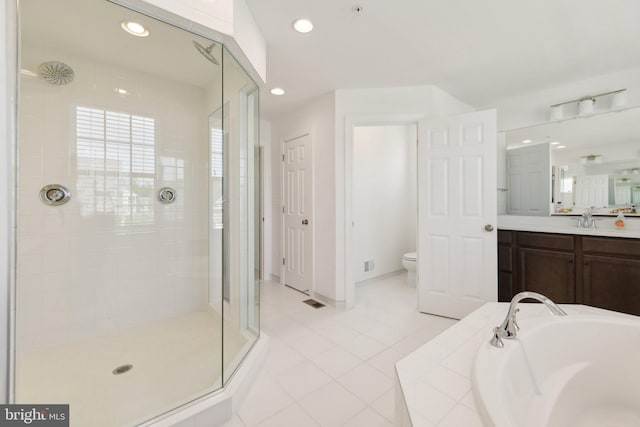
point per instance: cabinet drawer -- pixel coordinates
(628, 248)
(546, 241)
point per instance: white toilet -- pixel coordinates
(409, 262)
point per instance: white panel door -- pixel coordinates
(592, 191)
(529, 180)
(457, 203)
(297, 197)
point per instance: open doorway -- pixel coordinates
(384, 202)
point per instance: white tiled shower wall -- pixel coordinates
(82, 272)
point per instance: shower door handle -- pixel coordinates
(305, 221)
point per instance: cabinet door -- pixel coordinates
(612, 283)
(551, 273)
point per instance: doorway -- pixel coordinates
(384, 199)
(351, 126)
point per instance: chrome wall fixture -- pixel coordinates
(166, 195)
(586, 104)
(55, 194)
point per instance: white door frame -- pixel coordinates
(283, 272)
(350, 123)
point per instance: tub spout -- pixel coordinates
(509, 327)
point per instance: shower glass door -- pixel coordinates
(136, 222)
(241, 303)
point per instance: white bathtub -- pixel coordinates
(574, 371)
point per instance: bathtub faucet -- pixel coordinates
(509, 327)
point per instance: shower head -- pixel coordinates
(206, 51)
(57, 73)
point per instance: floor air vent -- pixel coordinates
(313, 303)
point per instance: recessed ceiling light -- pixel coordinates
(135, 28)
(277, 91)
(122, 91)
(560, 147)
(526, 141)
(302, 25)
(555, 143)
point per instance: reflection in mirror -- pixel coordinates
(595, 162)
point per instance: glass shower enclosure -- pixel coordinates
(137, 288)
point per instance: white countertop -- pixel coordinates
(433, 384)
(567, 225)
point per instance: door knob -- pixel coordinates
(488, 227)
(305, 221)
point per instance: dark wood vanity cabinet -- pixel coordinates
(546, 264)
(611, 273)
(506, 280)
(599, 271)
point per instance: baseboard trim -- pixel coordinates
(381, 277)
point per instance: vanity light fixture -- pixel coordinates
(135, 28)
(619, 100)
(277, 91)
(586, 104)
(303, 25)
(557, 112)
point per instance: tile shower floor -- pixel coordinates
(335, 367)
(174, 360)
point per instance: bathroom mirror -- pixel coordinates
(595, 161)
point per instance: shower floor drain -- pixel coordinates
(122, 369)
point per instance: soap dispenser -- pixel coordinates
(619, 222)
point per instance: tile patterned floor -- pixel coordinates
(334, 367)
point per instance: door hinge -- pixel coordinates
(282, 261)
(283, 209)
(283, 157)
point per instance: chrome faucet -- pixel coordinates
(509, 327)
(587, 220)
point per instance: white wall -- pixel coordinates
(384, 197)
(316, 118)
(533, 108)
(90, 266)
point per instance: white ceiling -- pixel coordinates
(479, 51)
